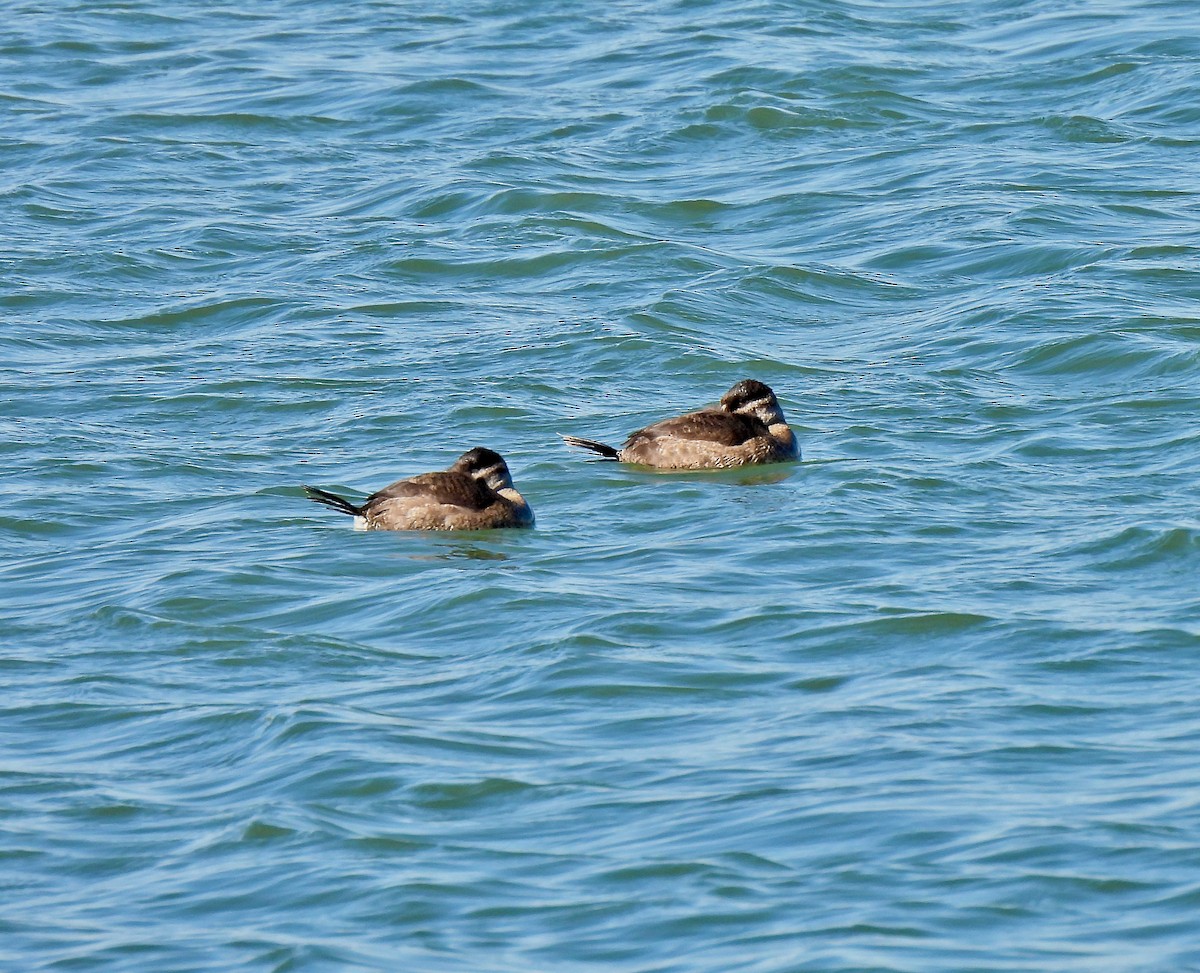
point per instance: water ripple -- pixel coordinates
(921, 702)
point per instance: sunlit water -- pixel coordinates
(926, 701)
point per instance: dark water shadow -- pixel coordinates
(740, 476)
(457, 545)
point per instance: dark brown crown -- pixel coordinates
(744, 393)
(484, 464)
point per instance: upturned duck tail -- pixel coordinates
(340, 504)
(606, 451)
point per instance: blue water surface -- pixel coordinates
(923, 703)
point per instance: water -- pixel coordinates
(924, 702)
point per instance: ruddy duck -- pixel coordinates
(476, 492)
(745, 429)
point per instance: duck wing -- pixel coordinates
(454, 489)
(707, 425)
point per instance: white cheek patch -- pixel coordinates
(489, 473)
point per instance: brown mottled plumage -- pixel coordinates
(475, 493)
(746, 428)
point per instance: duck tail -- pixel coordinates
(340, 504)
(606, 451)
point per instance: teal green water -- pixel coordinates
(924, 702)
